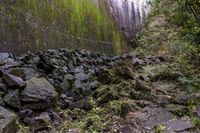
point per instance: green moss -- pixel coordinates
(18, 72)
(94, 120)
(106, 93)
(65, 23)
(121, 107)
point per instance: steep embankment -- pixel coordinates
(80, 91)
(160, 34)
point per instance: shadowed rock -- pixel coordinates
(39, 91)
(13, 99)
(8, 122)
(13, 81)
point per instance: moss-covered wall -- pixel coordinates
(38, 24)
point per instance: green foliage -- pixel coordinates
(57, 23)
(187, 18)
(190, 85)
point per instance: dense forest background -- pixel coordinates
(173, 28)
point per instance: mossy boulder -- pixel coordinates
(161, 72)
(106, 93)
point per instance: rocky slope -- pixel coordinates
(59, 91)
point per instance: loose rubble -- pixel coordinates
(51, 88)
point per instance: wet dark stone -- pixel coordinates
(149, 117)
(78, 84)
(93, 85)
(3, 88)
(65, 87)
(12, 99)
(45, 64)
(126, 129)
(82, 77)
(179, 125)
(13, 81)
(82, 104)
(69, 77)
(23, 114)
(4, 56)
(41, 123)
(65, 101)
(39, 90)
(71, 68)
(79, 69)
(8, 121)
(29, 73)
(2, 94)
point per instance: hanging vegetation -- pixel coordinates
(36, 24)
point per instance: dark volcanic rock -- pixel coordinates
(8, 121)
(150, 117)
(39, 91)
(13, 81)
(68, 79)
(3, 88)
(41, 122)
(82, 77)
(13, 99)
(25, 73)
(82, 104)
(4, 55)
(179, 125)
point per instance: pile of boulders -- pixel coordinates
(35, 85)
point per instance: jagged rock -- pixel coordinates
(82, 104)
(46, 63)
(13, 99)
(69, 77)
(29, 73)
(39, 91)
(149, 117)
(3, 88)
(137, 62)
(4, 56)
(41, 122)
(82, 77)
(65, 87)
(93, 85)
(126, 129)
(178, 125)
(79, 74)
(2, 94)
(79, 69)
(13, 81)
(8, 121)
(25, 115)
(78, 84)
(65, 101)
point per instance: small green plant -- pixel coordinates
(160, 129)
